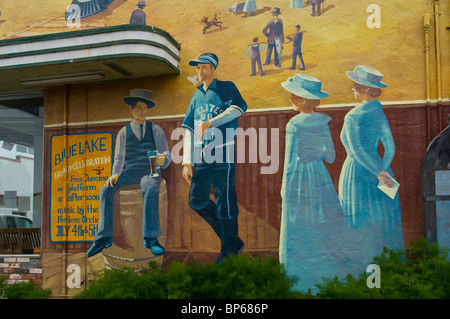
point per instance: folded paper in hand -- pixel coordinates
(390, 191)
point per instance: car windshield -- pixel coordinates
(24, 223)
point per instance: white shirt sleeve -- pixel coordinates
(119, 153)
(226, 116)
(188, 148)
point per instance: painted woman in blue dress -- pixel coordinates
(374, 217)
(312, 222)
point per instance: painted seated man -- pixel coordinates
(132, 144)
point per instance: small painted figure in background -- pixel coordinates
(138, 16)
(253, 53)
(296, 39)
(297, 4)
(275, 37)
(249, 7)
(314, 4)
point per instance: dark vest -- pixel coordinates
(136, 157)
(255, 51)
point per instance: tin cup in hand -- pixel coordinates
(153, 165)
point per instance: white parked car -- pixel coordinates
(14, 221)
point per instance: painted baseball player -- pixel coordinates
(208, 158)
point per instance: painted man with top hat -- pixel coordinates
(132, 144)
(275, 36)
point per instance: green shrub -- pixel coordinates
(126, 283)
(239, 277)
(22, 290)
(424, 273)
(236, 277)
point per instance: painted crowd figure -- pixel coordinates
(297, 4)
(316, 4)
(215, 106)
(296, 40)
(254, 54)
(374, 218)
(132, 144)
(312, 223)
(138, 16)
(249, 7)
(275, 37)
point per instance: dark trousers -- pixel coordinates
(314, 8)
(222, 214)
(150, 195)
(272, 47)
(294, 60)
(254, 62)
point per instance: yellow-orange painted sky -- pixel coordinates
(333, 43)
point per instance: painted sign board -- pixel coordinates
(80, 165)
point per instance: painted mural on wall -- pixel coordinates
(141, 150)
(333, 36)
(209, 157)
(322, 233)
(236, 57)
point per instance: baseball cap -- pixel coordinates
(206, 58)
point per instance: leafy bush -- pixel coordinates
(424, 273)
(22, 290)
(236, 277)
(240, 277)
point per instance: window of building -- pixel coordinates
(21, 171)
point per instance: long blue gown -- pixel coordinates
(312, 224)
(374, 218)
(297, 4)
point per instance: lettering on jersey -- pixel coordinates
(208, 111)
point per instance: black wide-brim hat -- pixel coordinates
(276, 11)
(141, 95)
(141, 4)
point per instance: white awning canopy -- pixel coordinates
(94, 55)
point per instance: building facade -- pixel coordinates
(76, 61)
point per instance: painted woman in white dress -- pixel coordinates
(312, 223)
(297, 4)
(249, 7)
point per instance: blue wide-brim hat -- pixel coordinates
(206, 58)
(140, 95)
(305, 86)
(367, 76)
